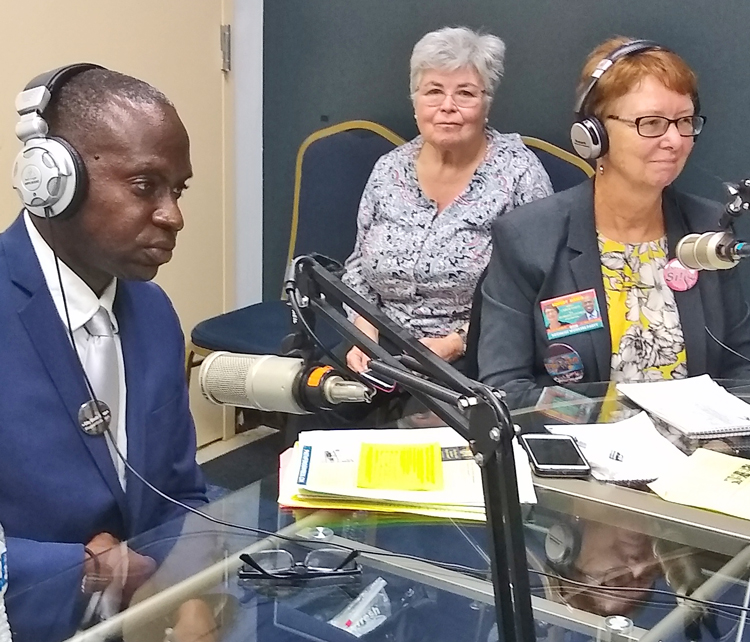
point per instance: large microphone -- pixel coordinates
(711, 251)
(276, 384)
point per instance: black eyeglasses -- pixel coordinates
(280, 565)
(655, 126)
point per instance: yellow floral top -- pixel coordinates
(644, 323)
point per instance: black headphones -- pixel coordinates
(588, 135)
(48, 173)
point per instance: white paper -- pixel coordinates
(329, 462)
(628, 450)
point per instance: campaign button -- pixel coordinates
(678, 277)
(563, 363)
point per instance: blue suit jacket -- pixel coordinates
(58, 486)
(548, 248)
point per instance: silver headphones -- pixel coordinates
(562, 544)
(48, 173)
(588, 135)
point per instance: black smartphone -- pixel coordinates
(555, 455)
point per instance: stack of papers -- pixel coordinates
(711, 480)
(697, 407)
(626, 451)
(428, 471)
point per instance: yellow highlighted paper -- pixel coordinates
(400, 467)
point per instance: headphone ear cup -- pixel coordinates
(589, 138)
(50, 177)
(562, 545)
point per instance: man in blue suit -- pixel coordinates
(66, 501)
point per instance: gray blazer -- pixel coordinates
(548, 248)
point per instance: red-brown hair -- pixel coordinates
(625, 74)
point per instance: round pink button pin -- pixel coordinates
(678, 277)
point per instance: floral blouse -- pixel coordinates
(420, 266)
(647, 340)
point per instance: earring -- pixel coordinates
(601, 169)
(415, 118)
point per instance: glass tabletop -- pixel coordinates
(601, 558)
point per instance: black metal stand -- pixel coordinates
(475, 411)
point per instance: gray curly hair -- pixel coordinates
(454, 48)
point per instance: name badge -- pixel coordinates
(571, 314)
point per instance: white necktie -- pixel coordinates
(101, 365)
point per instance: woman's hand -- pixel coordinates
(355, 358)
(449, 347)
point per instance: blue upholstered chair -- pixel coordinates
(565, 170)
(332, 168)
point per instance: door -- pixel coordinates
(175, 46)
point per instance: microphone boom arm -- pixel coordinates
(488, 427)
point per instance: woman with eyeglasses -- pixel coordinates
(423, 235)
(612, 240)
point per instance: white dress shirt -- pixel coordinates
(82, 305)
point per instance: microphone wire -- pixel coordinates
(291, 292)
(52, 244)
(294, 301)
(726, 347)
(724, 607)
(107, 431)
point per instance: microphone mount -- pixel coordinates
(472, 409)
(719, 250)
(739, 202)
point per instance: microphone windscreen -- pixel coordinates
(261, 382)
(685, 251)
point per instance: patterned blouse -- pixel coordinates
(647, 340)
(420, 266)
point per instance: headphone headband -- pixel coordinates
(627, 49)
(33, 100)
(48, 174)
(588, 134)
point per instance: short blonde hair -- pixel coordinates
(625, 74)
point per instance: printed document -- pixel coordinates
(625, 451)
(711, 480)
(428, 467)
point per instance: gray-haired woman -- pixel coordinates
(423, 234)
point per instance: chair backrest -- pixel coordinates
(565, 169)
(333, 165)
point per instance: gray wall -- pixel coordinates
(326, 61)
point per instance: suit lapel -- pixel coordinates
(52, 344)
(690, 302)
(133, 357)
(585, 265)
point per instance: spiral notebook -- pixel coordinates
(698, 407)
